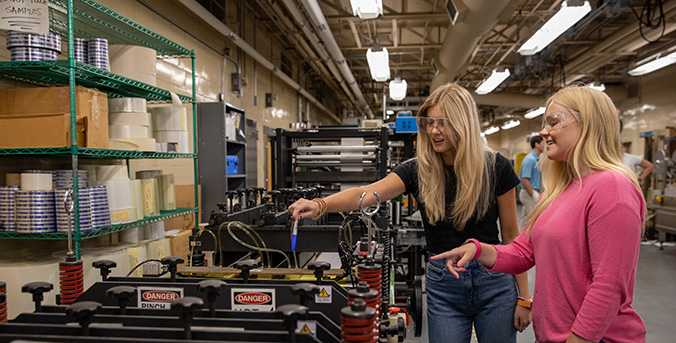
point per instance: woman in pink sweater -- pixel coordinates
(584, 233)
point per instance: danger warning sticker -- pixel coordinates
(159, 298)
(253, 299)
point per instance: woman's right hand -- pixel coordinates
(303, 208)
(457, 258)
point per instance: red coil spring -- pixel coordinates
(372, 274)
(358, 323)
(3, 305)
(71, 281)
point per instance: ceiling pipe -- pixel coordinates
(319, 21)
(323, 55)
(461, 37)
(217, 25)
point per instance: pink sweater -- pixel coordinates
(586, 246)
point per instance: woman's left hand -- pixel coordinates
(522, 318)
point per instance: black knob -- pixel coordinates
(213, 289)
(290, 314)
(83, 312)
(186, 308)
(319, 267)
(245, 266)
(171, 262)
(37, 288)
(105, 266)
(123, 294)
(306, 291)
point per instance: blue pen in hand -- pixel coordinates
(294, 234)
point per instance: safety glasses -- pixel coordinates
(428, 123)
(557, 120)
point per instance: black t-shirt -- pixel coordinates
(443, 236)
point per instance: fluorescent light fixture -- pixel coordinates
(491, 130)
(534, 113)
(510, 124)
(389, 112)
(379, 64)
(598, 86)
(496, 78)
(658, 62)
(367, 9)
(397, 89)
(570, 13)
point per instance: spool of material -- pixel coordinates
(7, 208)
(129, 118)
(159, 248)
(13, 179)
(36, 182)
(98, 196)
(167, 192)
(148, 174)
(180, 137)
(134, 144)
(134, 62)
(151, 202)
(35, 211)
(344, 158)
(97, 50)
(130, 235)
(337, 148)
(113, 172)
(169, 118)
(153, 231)
(137, 197)
(128, 131)
(85, 211)
(127, 105)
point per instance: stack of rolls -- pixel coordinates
(170, 125)
(25, 46)
(129, 125)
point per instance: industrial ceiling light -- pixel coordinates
(654, 62)
(379, 63)
(497, 76)
(397, 89)
(491, 130)
(367, 9)
(510, 124)
(534, 113)
(570, 13)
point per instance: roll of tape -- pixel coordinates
(167, 192)
(128, 131)
(137, 144)
(129, 118)
(36, 182)
(119, 194)
(151, 204)
(127, 105)
(104, 173)
(169, 118)
(130, 236)
(148, 174)
(137, 197)
(180, 137)
(153, 231)
(135, 62)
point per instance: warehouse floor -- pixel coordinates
(654, 296)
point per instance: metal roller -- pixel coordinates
(344, 158)
(337, 148)
(334, 164)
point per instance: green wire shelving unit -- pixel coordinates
(90, 19)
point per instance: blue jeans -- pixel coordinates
(484, 298)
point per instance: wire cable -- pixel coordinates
(244, 227)
(142, 263)
(650, 19)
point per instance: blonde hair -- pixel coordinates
(598, 147)
(472, 154)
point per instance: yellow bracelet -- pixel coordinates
(322, 208)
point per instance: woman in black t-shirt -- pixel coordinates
(462, 188)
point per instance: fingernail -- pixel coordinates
(457, 277)
(459, 265)
(293, 219)
(300, 217)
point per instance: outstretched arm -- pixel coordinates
(348, 200)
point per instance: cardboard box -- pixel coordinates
(40, 117)
(185, 197)
(180, 244)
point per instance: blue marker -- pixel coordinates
(294, 234)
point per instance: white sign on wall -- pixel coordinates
(24, 15)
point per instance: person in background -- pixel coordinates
(634, 161)
(462, 188)
(531, 179)
(585, 232)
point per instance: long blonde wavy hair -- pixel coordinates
(598, 147)
(473, 165)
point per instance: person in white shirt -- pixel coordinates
(634, 161)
